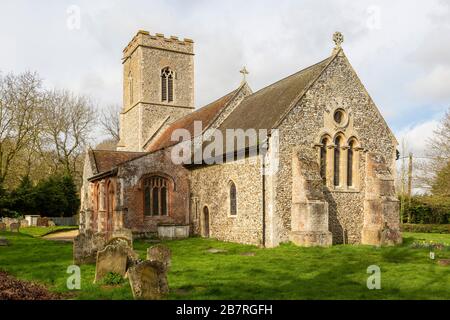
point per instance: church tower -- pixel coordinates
(158, 87)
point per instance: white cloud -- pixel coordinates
(434, 86)
(415, 137)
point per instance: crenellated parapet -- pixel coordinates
(158, 41)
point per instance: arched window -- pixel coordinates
(233, 203)
(350, 162)
(323, 159)
(167, 76)
(337, 161)
(156, 196)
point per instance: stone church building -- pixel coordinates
(333, 154)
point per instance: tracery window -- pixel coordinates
(156, 196)
(167, 76)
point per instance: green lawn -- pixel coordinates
(286, 272)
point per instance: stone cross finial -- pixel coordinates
(244, 73)
(338, 39)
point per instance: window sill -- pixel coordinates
(342, 190)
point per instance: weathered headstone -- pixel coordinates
(160, 253)
(111, 259)
(132, 257)
(14, 227)
(86, 245)
(3, 242)
(2, 226)
(23, 223)
(42, 222)
(148, 280)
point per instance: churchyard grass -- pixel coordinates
(238, 271)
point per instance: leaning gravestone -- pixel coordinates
(113, 258)
(14, 227)
(86, 245)
(132, 257)
(160, 253)
(148, 280)
(2, 226)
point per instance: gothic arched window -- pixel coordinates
(233, 199)
(156, 196)
(167, 76)
(350, 162)
(323, 159)
(337, 161)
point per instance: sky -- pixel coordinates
(400, 49)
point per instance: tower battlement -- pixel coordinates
(158, 41)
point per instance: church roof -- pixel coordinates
(264, 108)
(206, 115)
(105, 160)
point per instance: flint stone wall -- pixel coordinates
(338, 86)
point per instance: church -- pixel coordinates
(322, 174)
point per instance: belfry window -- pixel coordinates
(233, 200)
(167, 76)
(156, 196)
(337, 161)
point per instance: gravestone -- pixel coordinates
(113, 258)
(148, 280)
(24, 223)
(160, 253)
(14, 227)
(132, 257)
(2, 226)
(42, 222)
(86, 245)
(4, 242)
(51, 223)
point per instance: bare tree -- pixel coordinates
(68, 121)
(109, 121)
(20, 109)
(437, 153)
(107, 144)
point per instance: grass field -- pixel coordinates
(248, 272)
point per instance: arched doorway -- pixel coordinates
(205, 224)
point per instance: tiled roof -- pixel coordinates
(205, 114)
(264, 108)
(105, 160)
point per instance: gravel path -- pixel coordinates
(62, 236)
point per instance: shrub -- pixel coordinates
(112, 279)
(426, 209)
(426, 228)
